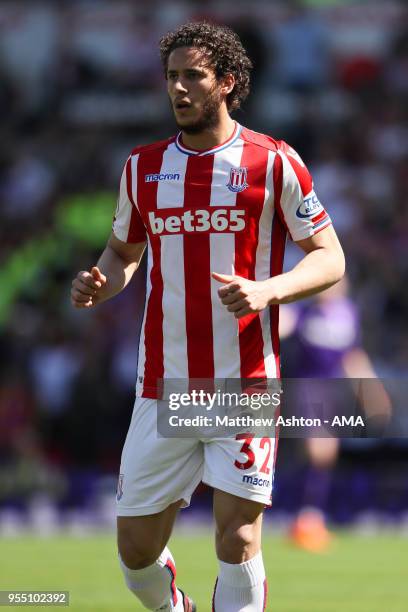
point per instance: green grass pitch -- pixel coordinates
(359, 574)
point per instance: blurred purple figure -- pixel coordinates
(326, 343)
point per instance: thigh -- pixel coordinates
(242, 466)
(155, 472)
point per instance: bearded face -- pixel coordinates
(194, 92)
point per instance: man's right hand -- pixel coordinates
(86, 288)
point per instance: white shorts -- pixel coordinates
(156, 472)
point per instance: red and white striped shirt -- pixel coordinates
(228, 210)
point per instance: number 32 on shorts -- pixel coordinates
(247, 449)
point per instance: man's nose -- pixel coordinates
(179, 86)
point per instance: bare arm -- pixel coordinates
(322, 267)
(114, 269)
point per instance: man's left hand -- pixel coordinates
(242, 296)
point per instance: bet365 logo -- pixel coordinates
(208, 220)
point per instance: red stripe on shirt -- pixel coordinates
(278, 182)
(277, 253)
(322, 215)
(255, 159)
(137, 230)
(197, 272)
(150, 163)
(303, 175)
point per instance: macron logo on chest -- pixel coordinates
(168, 176)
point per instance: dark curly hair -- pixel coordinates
(224, 50)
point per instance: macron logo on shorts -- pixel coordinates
(255, 480)
(155, 178)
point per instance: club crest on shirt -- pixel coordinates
(119, 492)
(238, 179)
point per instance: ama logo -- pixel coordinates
(310, 207)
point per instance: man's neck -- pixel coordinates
(210, 138)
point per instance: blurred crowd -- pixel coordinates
(81, 85)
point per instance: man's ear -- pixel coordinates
(227, 84)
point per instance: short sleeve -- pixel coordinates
(127, 223)
(298, 206)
